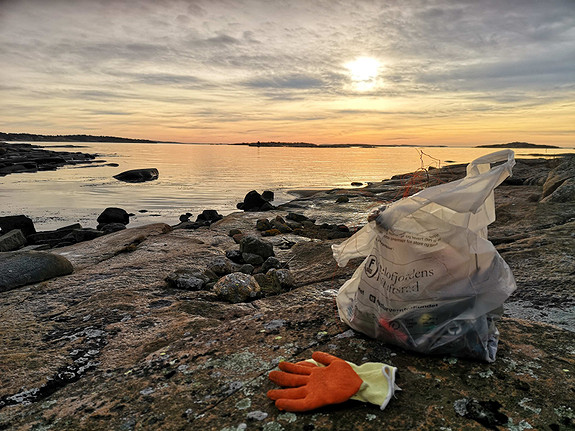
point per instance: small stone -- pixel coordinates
(237, 287)
(252, 244)
(234, 232)
(263, 224)
(257, 415)
(271, 262)
(271, 232)
(252, 259)
(342, 200)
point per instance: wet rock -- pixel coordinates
(27, 267)
(25, 224)
(113, 215)
(253, 201)
(138, 175)
(342, 200)
(207, 217)
(185, 217)
(253, 245)
(237, 287)
(268, 195)
(13, 240)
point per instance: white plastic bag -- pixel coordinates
(432, 282)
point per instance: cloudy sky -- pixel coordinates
(438, 72)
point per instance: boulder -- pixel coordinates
(560, 183)
(28, 267)
(13, 240)
(138, 175)
(237, 287)
(208, 217)
(25, 224)
(268, 195)
(253, 245)
(253, 201)
(113, 215)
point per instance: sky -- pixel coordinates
(387, 72)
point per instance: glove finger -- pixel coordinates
(324, 358)
(287, 379)
(298, 405)
(306, 364)
(295, 368)
(291, 393)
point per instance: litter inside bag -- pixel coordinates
(432, 282)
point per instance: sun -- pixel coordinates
(364, 72)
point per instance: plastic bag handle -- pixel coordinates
(482, 164)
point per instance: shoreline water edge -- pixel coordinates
(177, 326)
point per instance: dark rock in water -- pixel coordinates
(254, 245)
(237, 287)
(112, 227)
(342, 200)
(138, 175)
(13, 240)
(356, 184)
(208, 217)
(185, 217)
(25, 224)
(268, 195)
(20, 268)
(253, 201)
(113, 215)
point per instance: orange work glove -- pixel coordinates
(311, 387)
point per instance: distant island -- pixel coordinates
(67, 138)
(516, 145)
(309, 145)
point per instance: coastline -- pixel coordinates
(113, 343)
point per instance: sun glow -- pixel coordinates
(364, 72)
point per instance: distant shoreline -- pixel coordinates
(23, 137)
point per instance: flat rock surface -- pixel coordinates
(112, 347)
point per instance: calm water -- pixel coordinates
(197, 177)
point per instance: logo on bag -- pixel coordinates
(371, 266)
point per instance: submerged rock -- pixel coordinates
(138, 175)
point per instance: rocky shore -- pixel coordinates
(147, 332)
(16, 158)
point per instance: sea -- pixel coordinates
(194, 177)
